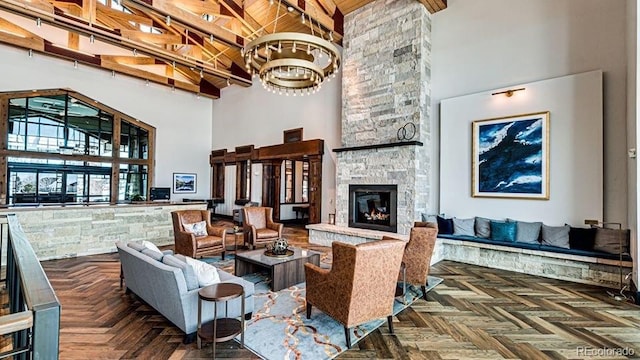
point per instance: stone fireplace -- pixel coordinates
(386, 93)
(373, 207)
(386, 129)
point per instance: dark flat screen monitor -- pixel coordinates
(160, 193)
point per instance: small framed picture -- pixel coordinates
(184, 183)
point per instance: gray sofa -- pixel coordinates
(164, 288)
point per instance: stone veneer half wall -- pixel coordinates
(62, 232)
(385, 85)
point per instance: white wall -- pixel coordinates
(489, 44)
(182, 121)
(575, 156)
(244, 116)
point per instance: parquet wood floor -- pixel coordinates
(476, 313)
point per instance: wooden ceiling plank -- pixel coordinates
(433, 6)
(328, 5)
(318, 16)
(200, 7)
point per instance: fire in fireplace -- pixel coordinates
(373, 207)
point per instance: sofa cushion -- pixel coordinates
(155, 255)
(152, 247)
(503, 231)
(582, 238)
(445, 226)
(528, 232)
(556, 236)
(187, 270)
(612, 241)
(197, 229)
(136, 245)
(207, 274)
(483, 227)
(463, 227)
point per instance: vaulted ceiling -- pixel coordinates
(194, 45)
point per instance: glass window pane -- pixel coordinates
(99, 187)
(22, 187)
(133, 183)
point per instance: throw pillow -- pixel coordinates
(463, 227)
(556, 236)
(445, 226)
(528, 232)
(612, 241)
(582, 238)
(197, 229)
(157, 254)
(190, 276)
(429, 218)
(503, 231)
(483, 227)
(206, 274)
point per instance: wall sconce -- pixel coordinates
(507, 93)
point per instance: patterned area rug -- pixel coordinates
(279, 328)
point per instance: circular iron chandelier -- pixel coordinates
(292, 63)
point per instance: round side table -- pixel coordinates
(223, 329)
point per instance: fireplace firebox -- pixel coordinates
(373, 207)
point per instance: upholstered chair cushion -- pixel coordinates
(266, 233)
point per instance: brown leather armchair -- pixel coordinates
(259, 227)
(360, 286)
(188, 244)
(416, 260)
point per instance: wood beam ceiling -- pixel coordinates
(193, 45)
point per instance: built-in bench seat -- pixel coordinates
(545, 248)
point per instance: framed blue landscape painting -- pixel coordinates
(511, 157)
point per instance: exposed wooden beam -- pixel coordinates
(89, 10)
(151, 37)
(13, 34)
(129, 60)
(328, 5)
(434, 5)
(167, 7)
(122, 16)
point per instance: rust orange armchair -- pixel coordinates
(416, 260)
(189, 244)
(259, 226)
(360, 286)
